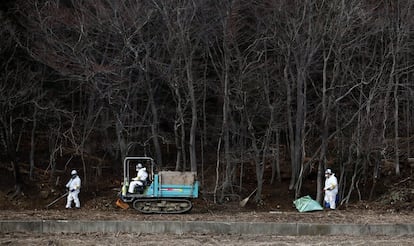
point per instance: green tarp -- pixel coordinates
(307, 204)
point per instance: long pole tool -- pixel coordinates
(245, 200)
(55, 201)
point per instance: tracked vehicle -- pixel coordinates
(164, 192)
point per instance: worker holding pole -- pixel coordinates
(73, 187)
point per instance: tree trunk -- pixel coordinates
(290, 125)
(192, 142)
(154, 124)
(276, 158)
(299, 128)
(324, 130)
(32, 143)
(179, 131)
(396, 128)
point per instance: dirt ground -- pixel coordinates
(353, 215)
(193, 239)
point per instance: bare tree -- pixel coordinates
(18, 91)
(180, 18)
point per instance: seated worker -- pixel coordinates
(139, 180)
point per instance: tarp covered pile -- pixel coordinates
(307, 204)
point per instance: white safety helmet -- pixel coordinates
(74, 172)
(139, 166)
(328, 171)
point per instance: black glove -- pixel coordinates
(72, 190)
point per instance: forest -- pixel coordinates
(224, 88)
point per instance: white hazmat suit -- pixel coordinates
(139, 180)
(331, 188)
(73, 186)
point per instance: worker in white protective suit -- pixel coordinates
(140, 179)
(73, 187)
(331, 188)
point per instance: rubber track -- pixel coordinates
(162, 206)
